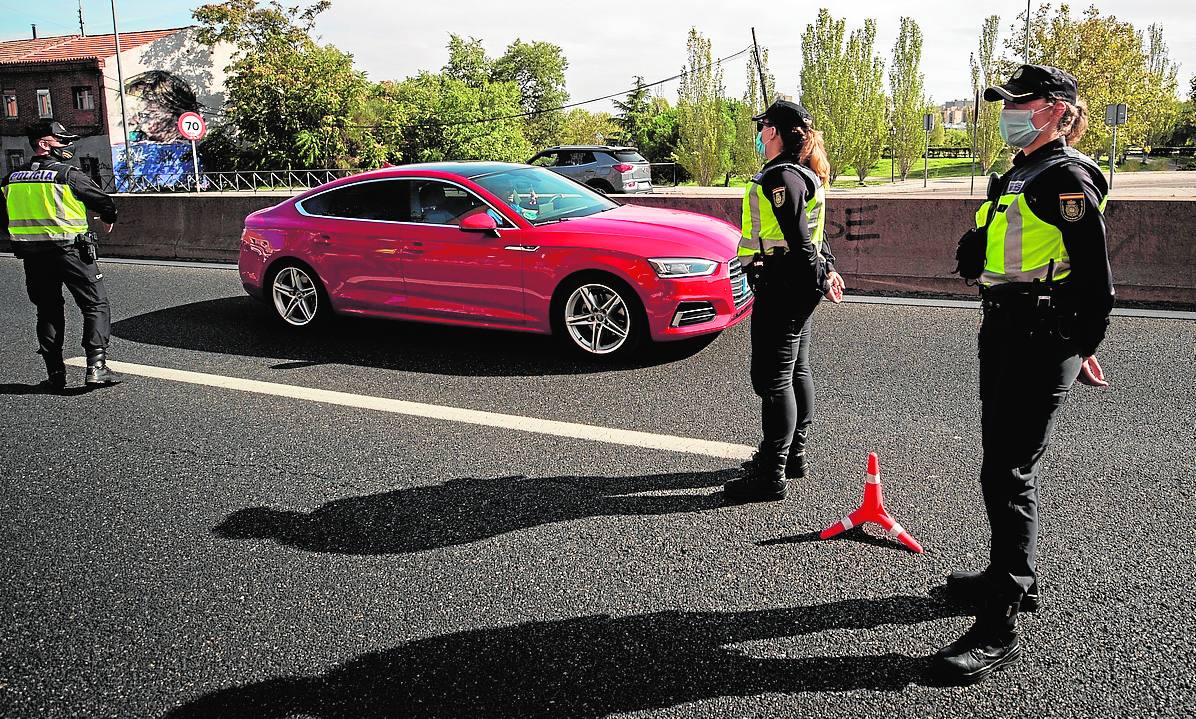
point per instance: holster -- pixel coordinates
(86, 243)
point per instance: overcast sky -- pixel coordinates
(607, 44)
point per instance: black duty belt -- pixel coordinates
(1024, 298)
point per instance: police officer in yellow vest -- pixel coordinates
(45, 212)
(1047, 290)
(790, 266)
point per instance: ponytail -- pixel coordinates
(812, 153)
(1074, 122)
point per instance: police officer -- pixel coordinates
(45, 212)
(790, 266)
(1047, 291)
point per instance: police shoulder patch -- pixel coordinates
(1072, 206)
(778, 196)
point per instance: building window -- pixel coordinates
(10, 104)
(44, 107)
(84, 100)
(15, 159)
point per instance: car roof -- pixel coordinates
(587, 147)
(468, 169)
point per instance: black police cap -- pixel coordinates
(49, 128)
(1035, 81)
(786, 115)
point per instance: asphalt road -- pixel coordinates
(185, 551)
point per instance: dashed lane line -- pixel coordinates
(593, 433)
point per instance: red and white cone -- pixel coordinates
(873, 510)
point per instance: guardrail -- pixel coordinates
(235, 181)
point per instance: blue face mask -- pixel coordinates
(760, 142)
(1017, 126)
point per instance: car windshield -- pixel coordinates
(542, 196)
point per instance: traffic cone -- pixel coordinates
(873, 510)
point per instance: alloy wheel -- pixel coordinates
(598, 319)
(296, 296)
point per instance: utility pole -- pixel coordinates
(1026, 53)
(124, 118)
(760, 70)
(81, 30)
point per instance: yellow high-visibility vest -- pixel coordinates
(1021, 247)
(42, 208)
(761, 233)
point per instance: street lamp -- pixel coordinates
(892, 154)
(124, 119)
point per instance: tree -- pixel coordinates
(986, 72)
(938, 134)
(289, 101)
(752, 97)
(907, 85)
(538, 69)
(826, 87)
(705, 135)
(467, 62)
(635, 115)
(1161, 118)
(867, 119)
(582, 127)
(1112, 64)
(744, 159)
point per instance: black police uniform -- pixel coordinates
(1032, 341)
(49, 265)
(793, 283)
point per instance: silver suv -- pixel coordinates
(602, 167)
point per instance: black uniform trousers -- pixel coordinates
(1026, 370)
(780, 369)
(45, 274)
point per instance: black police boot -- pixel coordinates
(990, 644)
(55, 373)
(758, 484)
(972, 588)
(796, 465)
(97, 369)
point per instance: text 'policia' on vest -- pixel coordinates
(1020, 246)
(761, 230)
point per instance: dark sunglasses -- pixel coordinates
(762, 124)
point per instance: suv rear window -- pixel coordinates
(628, 156)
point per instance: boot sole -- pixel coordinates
(981, 674)
(100, 382)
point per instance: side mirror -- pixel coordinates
(480, 222)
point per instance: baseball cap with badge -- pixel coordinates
(49, 128)
(1035, 81)
(786, 115)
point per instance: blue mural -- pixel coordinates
(156, 165)
(160, 157)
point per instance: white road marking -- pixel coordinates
(573, 430)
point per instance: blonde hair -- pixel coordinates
(812, 152)
(1074, 122)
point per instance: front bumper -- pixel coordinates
(693, 306)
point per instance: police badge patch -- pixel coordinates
(1071, 206)
(778, 196)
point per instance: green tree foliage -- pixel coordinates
(582, 127)
(752, 97)
(938, 135)
(635, 115)
(955, 138)
(869, 127)
(705, 134)
(290, 101)
(467, 62)
(826, 89)
(745, 161)
(988, 70)
(1112, 63)
(538, 69)
(908, 91)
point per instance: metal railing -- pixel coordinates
(236, 181)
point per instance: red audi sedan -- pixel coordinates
(495, 245)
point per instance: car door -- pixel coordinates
(456, 275)
(353, 240)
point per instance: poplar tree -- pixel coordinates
(908, 88)
(867, 119)
(987, 71)
(705, 133)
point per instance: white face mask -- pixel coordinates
(1017, 126)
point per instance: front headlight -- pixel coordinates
(683, 266)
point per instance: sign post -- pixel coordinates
(928, 126)
(193, 128)
(1115, 116)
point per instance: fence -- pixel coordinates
(240, 181)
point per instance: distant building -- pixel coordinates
(955, 114)
(72, 78)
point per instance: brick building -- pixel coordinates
(72, 78)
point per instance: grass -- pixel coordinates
(879, 173)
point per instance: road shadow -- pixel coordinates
(243, 326)
(591, 666)
(14, 388)
(855, 534)
(466, 510)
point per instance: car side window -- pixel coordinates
(373, 200)
(585, 158)
(548, 159)
(441, 203)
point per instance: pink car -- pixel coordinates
(495, 245)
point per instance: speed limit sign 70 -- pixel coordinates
(192, 126)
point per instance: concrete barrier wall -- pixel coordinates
(882, 243)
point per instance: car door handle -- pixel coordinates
(522, 248)
(413, 248)
(323, 240)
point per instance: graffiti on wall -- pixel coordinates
(156, 153)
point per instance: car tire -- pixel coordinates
(599, 317)
(296, 297)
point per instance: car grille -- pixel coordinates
(693, 313)
(740, 292)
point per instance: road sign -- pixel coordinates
(928, 122)
(1116, 114)
(192, 126)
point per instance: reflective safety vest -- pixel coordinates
(42, 208)
(1020, 245)
(760, 230)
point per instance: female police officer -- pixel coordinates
(1047, 291)
(790, 266)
